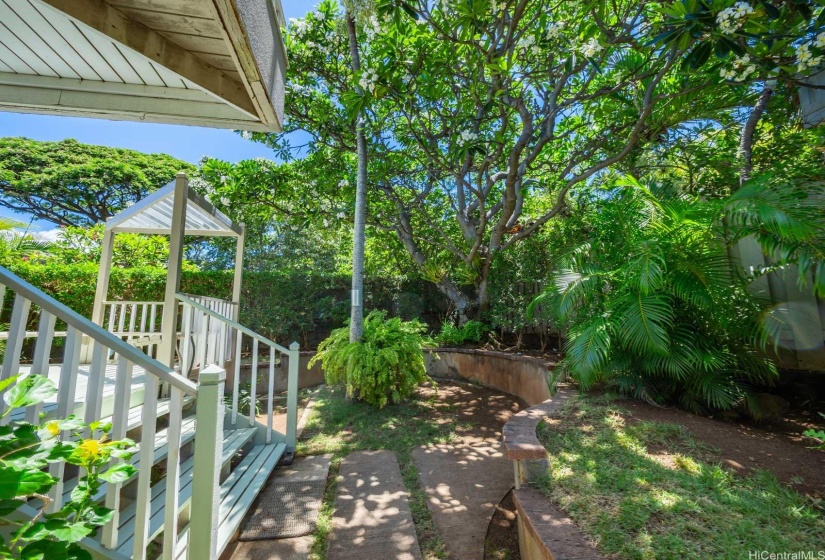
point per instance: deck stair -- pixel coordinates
(205, 461)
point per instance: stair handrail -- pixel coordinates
(96, 332)
(230, 323)
(293, 354)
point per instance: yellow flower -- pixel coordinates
(90, 448)
(49, 430)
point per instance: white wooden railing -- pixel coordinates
(207, 339)
(31, 303)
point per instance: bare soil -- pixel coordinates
(778, 448)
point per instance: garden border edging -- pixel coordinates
(525, 377)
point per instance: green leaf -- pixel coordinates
(68, 532)
(14, 483)
(645, 322)
(6, 383)
(7, 505)
(118, 473)
(33, 389)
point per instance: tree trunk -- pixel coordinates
(356, 325)
(748, 132)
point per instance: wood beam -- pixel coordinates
(113, 23)
(117, 101)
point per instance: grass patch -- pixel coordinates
(647, 490)
(338, 427)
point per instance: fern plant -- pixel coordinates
(452, 335)
(653, 306)
(384, 367)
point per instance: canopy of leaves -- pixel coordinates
(73, 184)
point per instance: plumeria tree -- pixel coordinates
(482, 116)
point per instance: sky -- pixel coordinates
(188, 143)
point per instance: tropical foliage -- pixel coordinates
(653, 305)
(456, 335)
(26, 449)
(384, 367)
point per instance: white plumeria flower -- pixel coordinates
(591, 48)
(343, 183)
(224, 201)
(805, 59)
(340, 215)
(553, 31)
(820, 40)
(320, 16)
(246, 135)
(466, 137)
(372, 28)
(731, 19)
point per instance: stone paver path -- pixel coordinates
(464, 484)
(372, 514)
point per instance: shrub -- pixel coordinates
(26, 449)
(451, 335)
(385, 366)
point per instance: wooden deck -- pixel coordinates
(82, 385)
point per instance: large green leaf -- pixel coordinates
(14, 483)
(645, 321)
(33, 389)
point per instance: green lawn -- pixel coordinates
(650, 490)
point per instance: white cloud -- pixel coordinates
(50, 235)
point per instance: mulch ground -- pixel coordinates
(745, 447)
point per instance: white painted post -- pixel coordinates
(238, 277)
(148, 431)
(292, 397)
(170, 523)
(169, 323)
(40, 364)
(270, 394)
(17, 333)
(203, 526)
(253, 382)
(101, 291)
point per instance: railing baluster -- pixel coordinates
(120, 420)
(14, 344)
(121, 320)
(292, 396)
(270, 394)
(253, 380)
(42, 352)
(202, 340)
(132, 320)
(66, 398)
(236, 382)
(112, 314)
(144, 313)
(95, 383)
(152, 348)
(170, 523)
(186, 319)
(148, 432)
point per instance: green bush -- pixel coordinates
(385, 366)
(452, 335)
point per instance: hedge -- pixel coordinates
(281, 306)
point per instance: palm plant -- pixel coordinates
(16, 244)
(652, 304)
